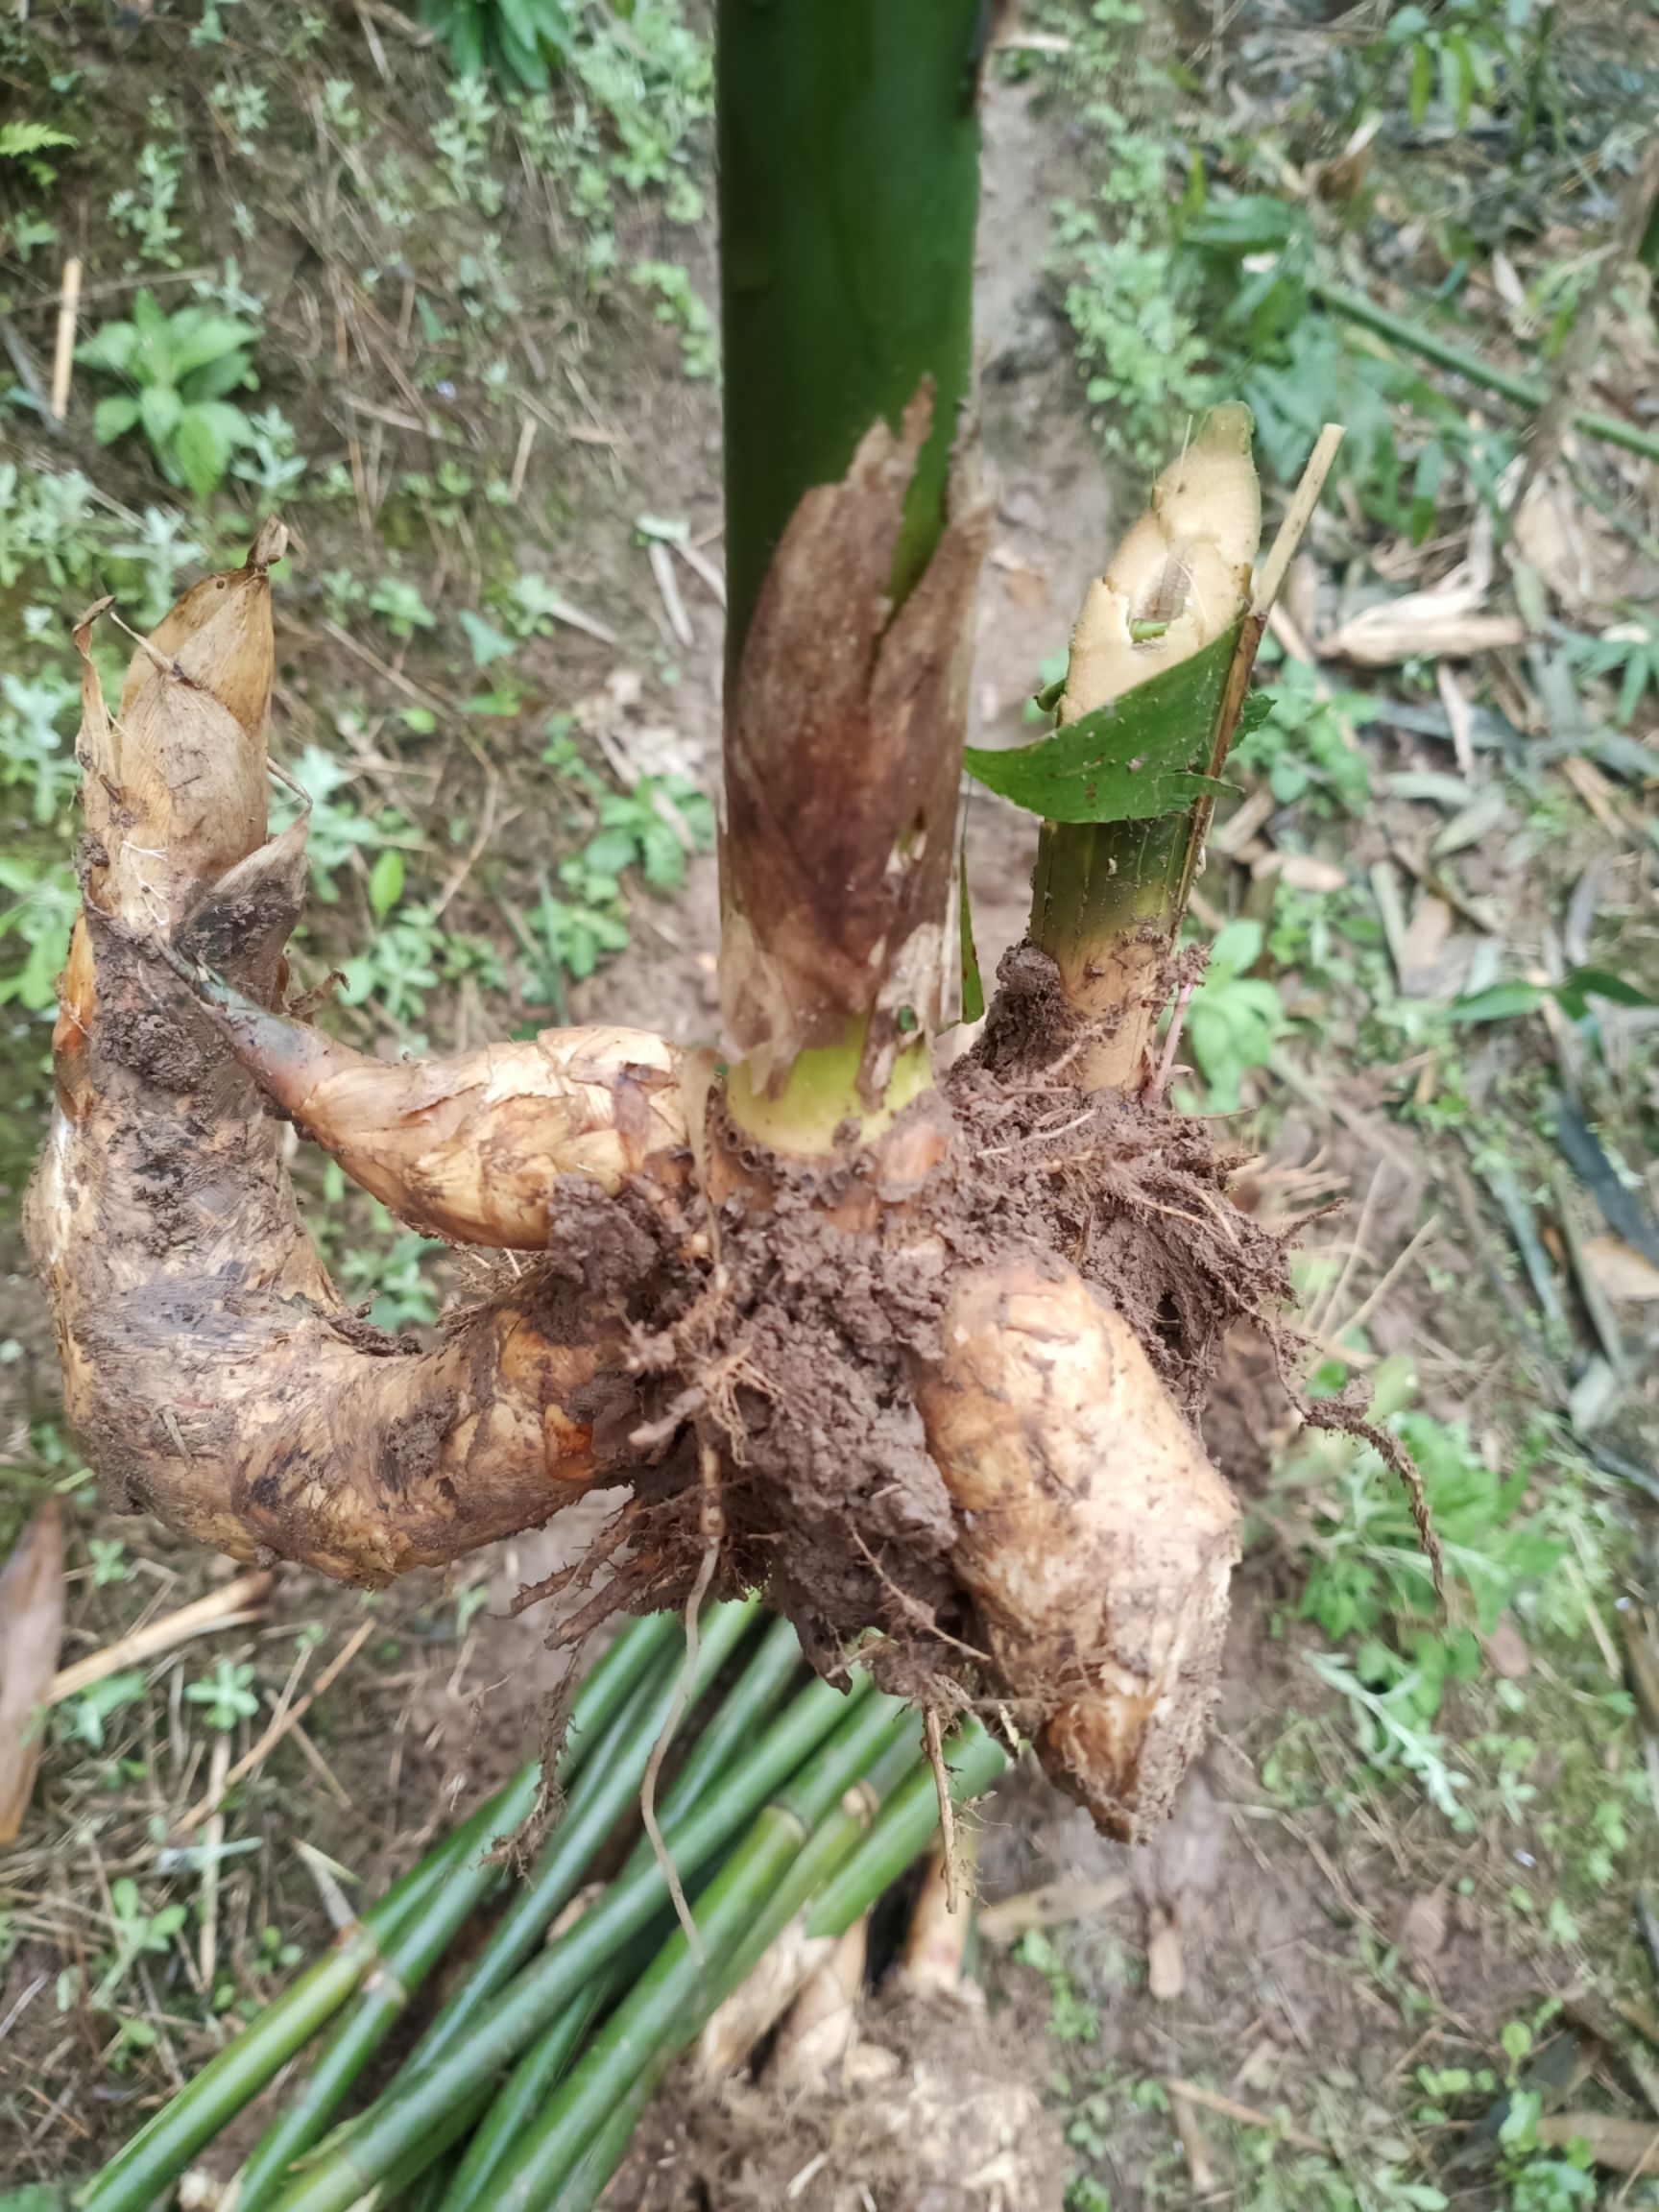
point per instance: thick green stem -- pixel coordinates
(849, 152)
(601, 1794)
(840, 1872)
(608, 1789)
(763, 1682)
(665, 2006)
(350, 2163)
(849, 162)
(159, 2153)
(973, 1760)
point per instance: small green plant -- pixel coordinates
(29, 143)
(145, 209)
(178, 368)
(1538, 2181)
(36, 754)
(227, 1696)
(335, 829)
(1141, 356)
(1461, 51)
(138, 1934)
(38, 907)
(1301, 747)
(1370, 1588)
(109, 1563)
(463, 142)
(1071, 2018)
(518, 42)
(395, 1280)
(1630, 651)
(82, 1718)
(1235, 1017)
(159, 551)
(401, 606)
(679, 305)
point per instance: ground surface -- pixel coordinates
(1392, 1925)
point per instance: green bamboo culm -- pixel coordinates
(671, 1996)
(848, 181)
(838, 1873)
(603, 1788)
(829, 1845)
(161, 2150)
(776, 1659)
(608, 1790)
(350, 2161)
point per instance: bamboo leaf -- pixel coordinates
(1134, 761)
(973, 982)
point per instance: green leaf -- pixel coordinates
(1572, 996)
(148, 321)
(973, 982)
(488, 644)
(1237, 946)
(1133, 760)
(386, 882)
(196, 344)
(465, 32)
(160, 406)
(207, 434)
(1499, 1002)
(1422, 84)
(114, 416)
(17, 139)
(111, 348)
(1630, 690)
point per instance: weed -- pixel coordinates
(1301, 745)
(269, 459)
(81, 1718)
(41, 906)
(1629, 650)
(393, 1281)
(1071, 2019)
(138, 1934)
(336, 832)
(145, 211)
(159, 551)
(1458, 52)
(227, 1696)
(181, 368)
(519, 42)
(401, 606)
(679, 306)
(340, 109)
(30, 144)
(44, 522)
(463, 143)
(109, 1563)
(246, 110)
(1136, 342)
(1234, 1018)
(36, 754)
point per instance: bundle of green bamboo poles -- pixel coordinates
(530, 2080)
